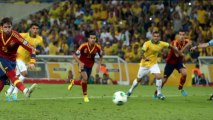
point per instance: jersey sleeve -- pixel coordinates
(145, 46)
(24, 43)
(100, 51)
(164, 44)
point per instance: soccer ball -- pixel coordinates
(119, 98)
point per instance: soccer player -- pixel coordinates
(204, 45)
(150, 51)
(10, 40)
(87, 52)
(23, 58)
(175, 61)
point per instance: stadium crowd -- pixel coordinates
(122, 26)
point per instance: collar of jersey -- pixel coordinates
(154, 42)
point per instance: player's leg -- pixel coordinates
(74, 82)
(85, 75)
(14, 79)
(15, 91)
(155, 70)
(21, 71)
(183, 72)
(141, 72)
(169, 68)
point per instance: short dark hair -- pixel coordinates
(34, 24)
(6, 20)
(92, 33)
(155, 32)
(182, 30)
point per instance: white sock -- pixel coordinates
(25, 90)
(15, 91)
(10, 90)
(159, 85)
(134, 85)
(21, 78)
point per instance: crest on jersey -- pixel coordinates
(25, 42)
(12, 43)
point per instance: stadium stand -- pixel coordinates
(120, 25)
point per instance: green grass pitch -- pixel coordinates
(55, 102)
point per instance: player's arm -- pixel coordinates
(24, 43)
(74, 54)
(203, 45)
(176, 51)
(144, 48)
(189, 43)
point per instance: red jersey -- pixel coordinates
(87, 54)
(10, 44)
(172, 58)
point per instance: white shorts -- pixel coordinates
(145, 70)
(20, 67)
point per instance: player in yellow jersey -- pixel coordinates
(23, 58)
(150, 51)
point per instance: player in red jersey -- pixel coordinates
(175, 61)
(10, 40)
(86, 61)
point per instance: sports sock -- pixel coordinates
(77, 82)
(159, 85)
(1, 85)
(84, 88)
(182, 82)
(134, 85)
(21, 78)
(13, 78)
(10, 89)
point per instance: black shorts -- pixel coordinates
(169, 68)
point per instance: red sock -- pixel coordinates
(1, 85)
(77, 82)
(84, 88)
(14, 79)
(182, 82)
(20, 86)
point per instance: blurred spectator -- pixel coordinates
(125, 21)
(196, 72)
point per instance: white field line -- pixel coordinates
(94, 97)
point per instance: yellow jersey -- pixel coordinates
(23, 54)
(151, 51)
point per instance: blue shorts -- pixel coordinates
(5, 66)
(87, 70)
(169, 68)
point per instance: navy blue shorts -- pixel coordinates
(5, 66)
(87, 70)
(169, 68)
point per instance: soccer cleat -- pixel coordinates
(30, 90)
(211, 97)
(184, 93)
(161, 97)
(155, 96)
(128, 94)
(8, 97)
(86, 99)
(71, 84)
(14, 96)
